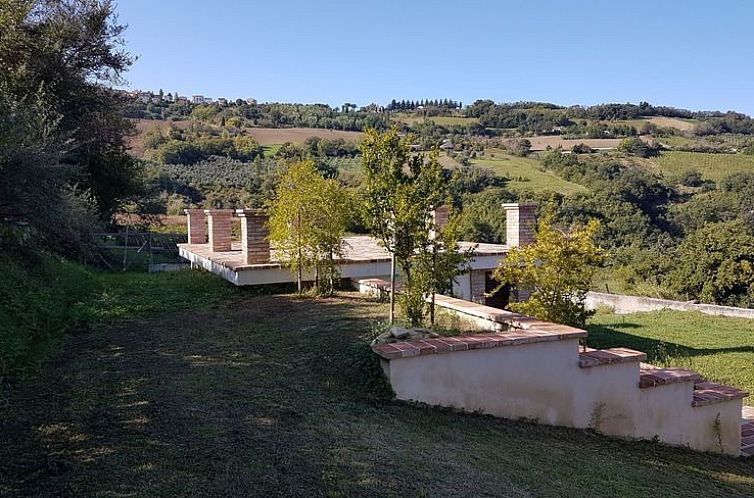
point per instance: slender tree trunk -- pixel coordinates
(432, 303)
(392, 288)
(298, 266)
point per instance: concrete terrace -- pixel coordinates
(358, 249)
(252, 261)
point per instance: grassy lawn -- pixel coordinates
(720, 348)
(525, 173)
(210, 390)
(711, 166)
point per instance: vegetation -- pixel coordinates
(555, 271)
(719, 348)
(308, 218)
(247, 394)
(62, 135)
(713, 167)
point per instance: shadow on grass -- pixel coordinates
(601, 337)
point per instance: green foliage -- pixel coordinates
(308, 217)
(62, 128)
(189, 147)
(557, 269)
(716, 263)
(482, 219)
(401, 190)
(39, 301)
(638, 147)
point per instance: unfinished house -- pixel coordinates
(251, 260)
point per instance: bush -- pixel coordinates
(38, 303)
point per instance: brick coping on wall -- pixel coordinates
(527, 331)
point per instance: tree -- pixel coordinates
(308, 217)
(401, 190)
(715, 264)
(56, 60)
(440, 262)
(557, 269)
(518, 147)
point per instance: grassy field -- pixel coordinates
(525, 173)
(411, 119)
(210, 390)
(711, 166)
(720, 348)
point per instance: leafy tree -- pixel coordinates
(438, 264)
(518, 147)
(401, 190)
(308, 217)
(716, 265)
(557, 269)
(639, 147)
(56, 58)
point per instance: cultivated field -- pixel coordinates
(271, 136)
(711, 166)
(541, 142)
(411, 119)
(677, 123)
(525, 173)
(265, 136)
(209, 390)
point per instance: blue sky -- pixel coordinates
(691, 54)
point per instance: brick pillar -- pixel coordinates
(520, 223)
(218, 222)
(255, 245)
(441, 215)
(197, 226)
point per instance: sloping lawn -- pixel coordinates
(279, 396)
(720, 348)
(526, 173)
(712, 166)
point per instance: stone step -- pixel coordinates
(707, 393)
(747, 431)
(651, 376)
(596, 357)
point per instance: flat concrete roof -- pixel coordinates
(358, 249)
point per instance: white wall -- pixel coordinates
(632, 304)
(543, 381)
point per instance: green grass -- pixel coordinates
(711, 166)
(719, 348)
(412, 119)
(271, 149)
(279, 396)
(42, 300)
(526, 174)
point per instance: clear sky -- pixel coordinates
(686, 53)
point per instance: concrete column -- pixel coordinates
(520, 223)
(218, 222)
(197, 226)
(255, 244)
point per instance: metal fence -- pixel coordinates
(138, 250)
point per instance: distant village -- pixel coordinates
(160, 97)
